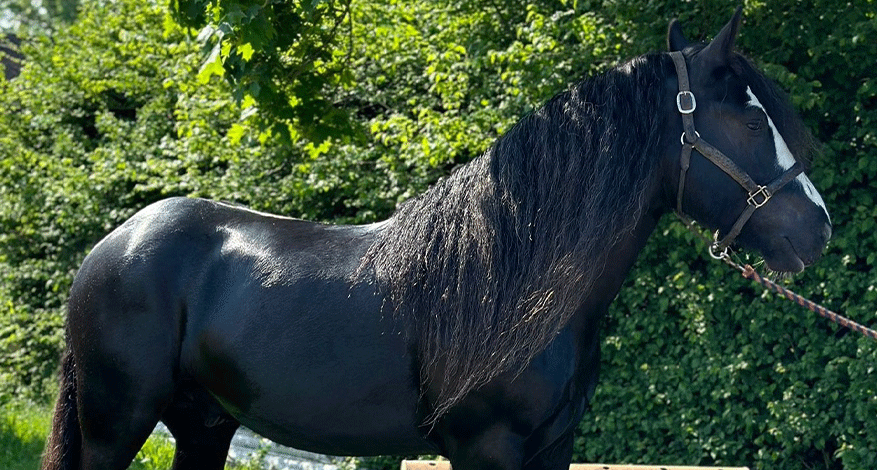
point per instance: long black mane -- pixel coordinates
(489, 264)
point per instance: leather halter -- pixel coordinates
(758, 194)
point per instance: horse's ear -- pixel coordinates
(719, 50)
(675, 39)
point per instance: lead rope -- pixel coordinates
(749, 273)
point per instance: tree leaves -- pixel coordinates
(279, 54)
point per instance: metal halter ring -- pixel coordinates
(684, 142)
(721, 255)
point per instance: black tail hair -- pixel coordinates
(65, 440)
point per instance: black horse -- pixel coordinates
(465, 325)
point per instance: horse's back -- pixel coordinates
(175, 241)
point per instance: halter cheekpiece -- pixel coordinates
(690, 139)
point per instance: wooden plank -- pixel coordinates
(443, 465)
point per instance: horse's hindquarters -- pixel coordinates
(123, 334)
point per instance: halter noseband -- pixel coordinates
(758, 194)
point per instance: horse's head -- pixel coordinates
(747, 150)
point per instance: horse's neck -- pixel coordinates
(620, 260)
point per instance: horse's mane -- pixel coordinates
(487, 266)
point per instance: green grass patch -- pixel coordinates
(157, 453)
(23, 431)
(24, 427)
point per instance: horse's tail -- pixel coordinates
(64, 444)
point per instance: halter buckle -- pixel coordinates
(754, 196)
(683, 96)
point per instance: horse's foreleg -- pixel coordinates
(556, 456)
(494, 448)
(502, 450)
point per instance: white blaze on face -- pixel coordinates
(785, 160)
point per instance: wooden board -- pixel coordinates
(443, 465)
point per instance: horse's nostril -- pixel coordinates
(826, 233)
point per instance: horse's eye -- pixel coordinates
(754, 125)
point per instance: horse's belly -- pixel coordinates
(361, 402)
(337, 427)
(328, 376)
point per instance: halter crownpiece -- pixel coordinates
(690, 139)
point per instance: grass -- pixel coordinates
(23, 431)
(157, 453)
(24, 427)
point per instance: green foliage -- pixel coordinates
(120, 109)
(24, 16)
(280, 58)
(156, 454)
(105, 118)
